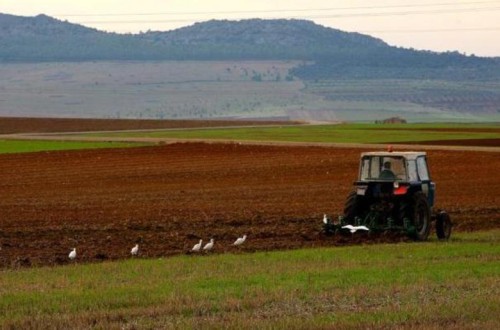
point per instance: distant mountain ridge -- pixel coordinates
(40, 25)
(280, 32)
(260, 39)
(43, 38)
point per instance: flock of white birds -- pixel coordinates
(210, 245)
(196, 248)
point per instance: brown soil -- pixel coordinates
(49, 125)
(445, 129)
(168, 197)
(472, 142)
(461, 129)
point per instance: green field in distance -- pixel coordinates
(340, 133)
(20, 146)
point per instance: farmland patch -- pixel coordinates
(167, 197)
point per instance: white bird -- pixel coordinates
(240, 240)
(135, 250)
(325, 219)
(353, 229)
(350, 227)
(209, 245)
(197, 247)
(72, 254)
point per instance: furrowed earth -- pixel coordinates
(10, 125)
(168, 197)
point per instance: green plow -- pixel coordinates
(373, 221)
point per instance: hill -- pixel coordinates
(262, 39)
(45, 39)
(258, 69)
(335, 53)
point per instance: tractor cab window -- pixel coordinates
(423, 174)
(412, 171)
(383, 168)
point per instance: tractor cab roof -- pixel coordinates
(409, 155)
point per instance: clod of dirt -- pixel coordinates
(22, 262)
(101, 256)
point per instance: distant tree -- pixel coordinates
(257, 77)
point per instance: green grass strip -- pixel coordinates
(21, 146)
(347, 133)
(383, 285)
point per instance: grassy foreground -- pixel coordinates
(345, 133)
(452, 284)
(19, 146)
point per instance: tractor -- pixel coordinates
(394, 192)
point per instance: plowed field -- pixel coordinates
(167, 197)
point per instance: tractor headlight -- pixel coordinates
(361, 191)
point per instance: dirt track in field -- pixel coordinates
(12, 125)
(167, 197)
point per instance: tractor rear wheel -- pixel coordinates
(422, 216)
(352, 207)
(418, 212)
(443, 225)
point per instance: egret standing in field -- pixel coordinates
(72, 254)
(135, 250)
(209, 245)
(240, 240)
(325, 219)
(197, 247)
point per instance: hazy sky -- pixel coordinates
(471, 27)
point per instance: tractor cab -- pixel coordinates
(383, 168)
(396, 172)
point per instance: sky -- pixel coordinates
(466, 26)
